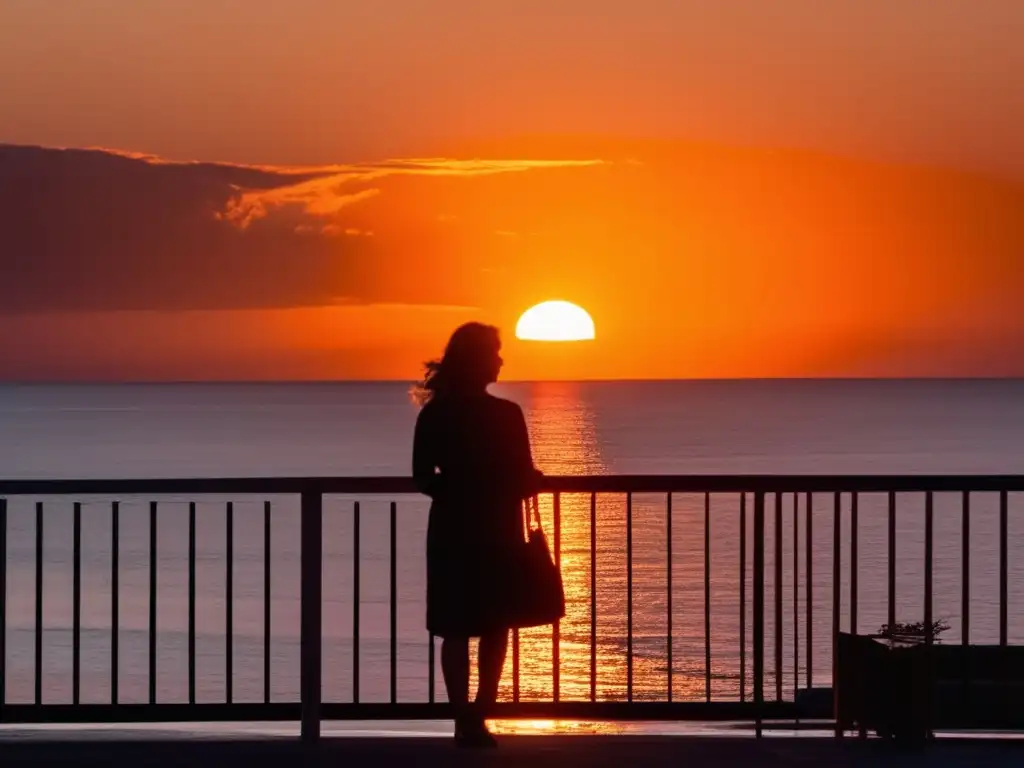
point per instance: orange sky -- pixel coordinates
(731, 189)
(318, 81)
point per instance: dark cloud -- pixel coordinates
(94, 229)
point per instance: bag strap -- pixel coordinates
(531, 509)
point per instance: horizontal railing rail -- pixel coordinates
(701, 597)
(552, 483)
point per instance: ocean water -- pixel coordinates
(65, 431)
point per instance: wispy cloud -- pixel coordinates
(318, 197)
(332, 230)
(324, 190)
(331, 188)
(429, 166)
(441, 166)
(355, 302)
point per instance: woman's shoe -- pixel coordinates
(474, 734)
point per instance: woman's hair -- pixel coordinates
(465, 364)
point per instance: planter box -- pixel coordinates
(882, 689)
(907, 692)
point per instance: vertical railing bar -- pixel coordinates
(593, 596)
(152, 601)
(527, 512)
(39, 605)
(356, 596)
(965, 568)
(394, 602)
(929, 530)
(854, 559)
(515, 631)
(515, 665)
(229, 600)
(707, 596)
(115, 623)
(311, 610)
(758, 618)
(854, 574)
(431, 675)
(743, 597)
(76, 620)
(3, 602)
(556, 628)
(1004, 505)
(837, 514)
(809, 586)
(796, 596)
(191, 602)
(629, 596)
(965, 591)
(778, 598)
(668, 591)
(266, 600)
(892, 560)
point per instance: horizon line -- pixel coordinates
(411, 382)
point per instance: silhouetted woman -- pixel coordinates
(471, 455)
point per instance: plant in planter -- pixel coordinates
(911, 634)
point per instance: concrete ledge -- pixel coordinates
(532, 751)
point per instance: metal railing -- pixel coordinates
(645, 544)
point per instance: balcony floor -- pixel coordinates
(157, 747)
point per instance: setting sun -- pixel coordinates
(555, 321)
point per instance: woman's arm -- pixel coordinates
(530, 477)
(424, 465)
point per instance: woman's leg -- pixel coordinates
(491, 661)
(455, 669)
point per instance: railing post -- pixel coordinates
(311, 564)
(758, 618)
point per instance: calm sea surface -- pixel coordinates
(365, 429)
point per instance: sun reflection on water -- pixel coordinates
(563, 431)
